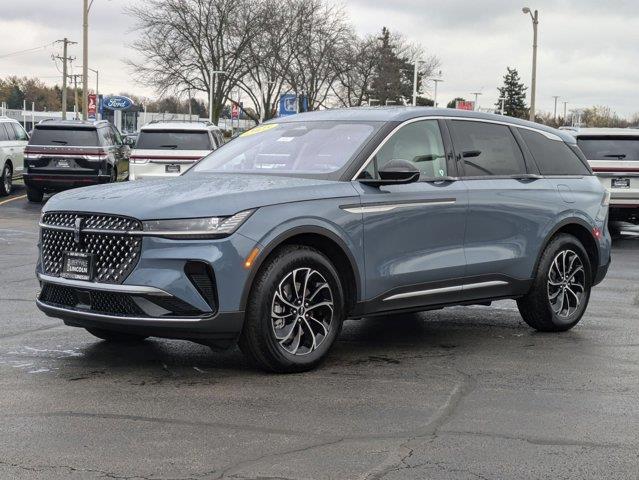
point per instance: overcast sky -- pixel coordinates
(588, 52)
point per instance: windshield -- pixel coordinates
(174, 140)
(72, 137)
(609, 148)
(291, 148)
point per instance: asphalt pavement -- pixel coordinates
(461, 393)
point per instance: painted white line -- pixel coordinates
(12, 199)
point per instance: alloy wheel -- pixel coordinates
(566, 283)
(7, 180)
(302, 311)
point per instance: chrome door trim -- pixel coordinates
(548, 135)
(105, 287)
(455, 288)
(388, 207)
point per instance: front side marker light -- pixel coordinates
(248, 263)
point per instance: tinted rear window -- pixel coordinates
(72, 137)
(609, 148)
(173, 140)
(553, 157)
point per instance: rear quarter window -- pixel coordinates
(553, 157)
(72, 137)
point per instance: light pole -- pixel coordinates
(533, 82)
(86, 7)
(565, 103)
(477, 94)
(213, 82)
(503, 104)
(436, 81)
(415, 82)
(556, 97)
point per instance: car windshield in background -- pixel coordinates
(609, 148)
(72, 137)
(291, 148)
(174, 140)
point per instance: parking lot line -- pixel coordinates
(12, 199)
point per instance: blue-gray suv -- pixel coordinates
(275, 239)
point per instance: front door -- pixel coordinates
(414, 233)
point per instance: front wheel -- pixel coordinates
(561, 289)
(6, 182)
(295, 311)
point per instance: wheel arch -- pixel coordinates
(580, 229)
(323, 240)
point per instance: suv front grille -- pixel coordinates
(116, 253)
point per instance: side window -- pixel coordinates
(105, 136)
(487, 149)
(4, 134)
(21, 135)
(419, 143)
(553, 157)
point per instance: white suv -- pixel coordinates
(613, 154)
(13, 140)
(171, 148)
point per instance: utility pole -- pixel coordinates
(85, 58)
(565, 103)
(555, 97)
(65, 72)
(415, 82)
(477, 94)
(74, 78)
(436, 81)
(533, 84)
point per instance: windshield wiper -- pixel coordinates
(618, 156)
(172, 147)
(61, 142)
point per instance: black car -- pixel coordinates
(64, 154)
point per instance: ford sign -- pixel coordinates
(118, 103)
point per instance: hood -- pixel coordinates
(193, 196)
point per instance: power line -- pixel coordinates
(28, 50)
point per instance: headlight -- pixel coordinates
(210, 227)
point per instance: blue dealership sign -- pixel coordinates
(117, 102)
(288, 105)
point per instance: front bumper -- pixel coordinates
(160, 280)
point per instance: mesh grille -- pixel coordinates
(115, 255)
(100, 302)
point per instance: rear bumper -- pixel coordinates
(156, 169)
(57, 182)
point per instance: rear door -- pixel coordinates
(21, 140)
(8, 147)
(414, 233)
(509, 205)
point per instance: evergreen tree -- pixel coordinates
(514, 92)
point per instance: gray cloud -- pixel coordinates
(587, 53)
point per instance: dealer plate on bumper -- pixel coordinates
(78, 266)
(620, 183)
(172, 168)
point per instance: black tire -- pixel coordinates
(537, 308)
(34, 195)
(258, 339)
(115, 337)
(113, 177)
(6, 180)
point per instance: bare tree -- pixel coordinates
(352, 88)
(183, 41)
(323, 36)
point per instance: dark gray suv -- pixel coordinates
(277, 237)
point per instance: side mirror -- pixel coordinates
(395, 172)
(129, 141)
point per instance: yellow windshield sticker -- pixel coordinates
(260, 129)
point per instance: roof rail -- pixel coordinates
(175, 120)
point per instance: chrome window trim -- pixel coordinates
(105, 287)
(549, 135)
(455, 288)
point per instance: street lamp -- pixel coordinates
(533, 84)
(477, 94)
(86, 7)
(436, 82)
(417, 63)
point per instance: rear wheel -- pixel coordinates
(295, 311)
(114, 175)
(34, 195)
(6, 182)
(115, 337)
(561, 289)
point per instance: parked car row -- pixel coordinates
(13, 140)
(275, 239)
